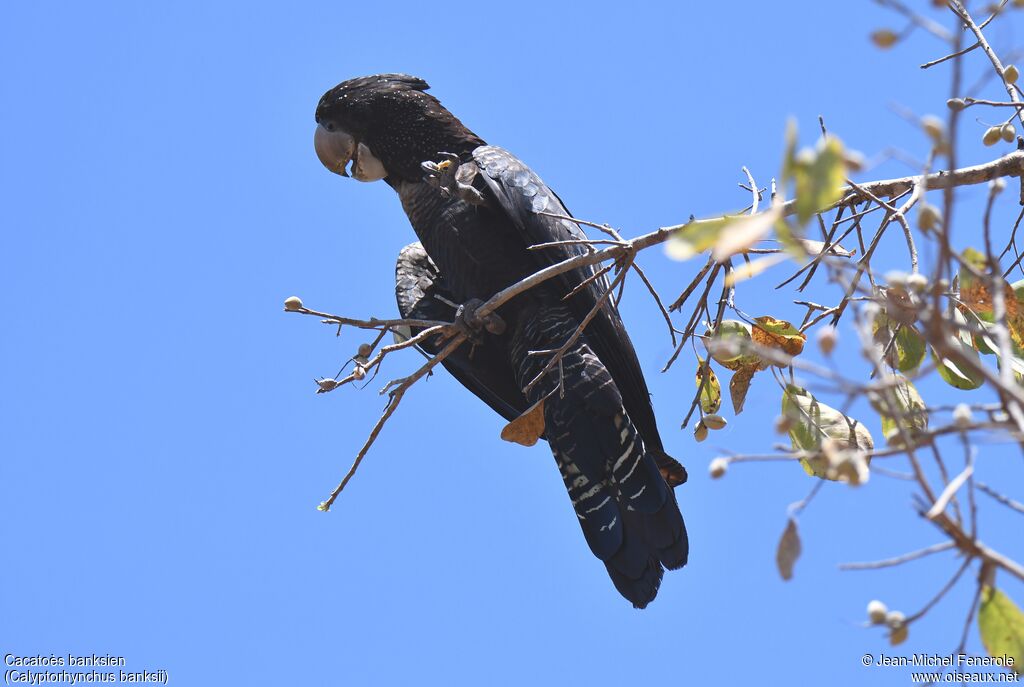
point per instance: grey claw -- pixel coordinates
(467, 320)
(453, 179)
(470, 194)
(494, 324)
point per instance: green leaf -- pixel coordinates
(697, 236)
(812, 422)
(1001, 625)
(1017, 365)
(910, 348)
(727, 345)
(787, 236)
(804, 411)
(985, 343)
(956, 375)
(711, 393)
(818, 177)
(1018, 289)
(789, 157)
(907, 351)
(900, 407)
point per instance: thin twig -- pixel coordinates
(899, 560)
(393, 401)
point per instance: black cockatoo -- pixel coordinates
(476, 209)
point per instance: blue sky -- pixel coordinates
(163, 450)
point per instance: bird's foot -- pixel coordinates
(470, 323)
(453, 178)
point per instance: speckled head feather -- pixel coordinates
(394, 116)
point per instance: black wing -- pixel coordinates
(483, 369)
(523, 196)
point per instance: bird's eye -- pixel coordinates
(329, 126)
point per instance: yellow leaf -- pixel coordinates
(696, 236)
(711, 393)
(741, 233)
(527, 428)
(751, 269)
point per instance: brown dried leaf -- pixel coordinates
(778, 335)
(527, 428)
(788, 551)
(739, 384)
(976, 296)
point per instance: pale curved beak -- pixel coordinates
(367, 167)
(334, 148)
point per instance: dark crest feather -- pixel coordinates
(413, 82)
(365, 85)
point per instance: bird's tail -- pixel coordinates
(628, 513)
